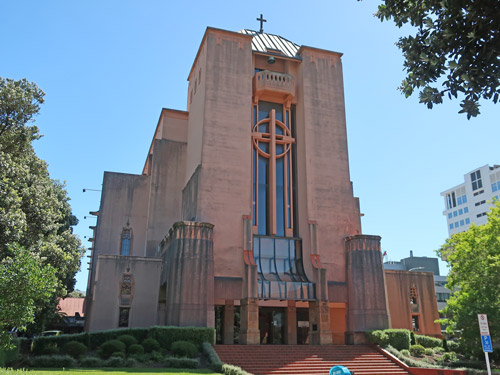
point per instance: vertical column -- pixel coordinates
(249, 334)
(319, 323)
(291, 323)
(228, 338)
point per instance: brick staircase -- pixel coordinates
(307, 359)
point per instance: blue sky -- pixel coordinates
(108, 67)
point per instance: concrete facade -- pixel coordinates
(468, 203)
(244, 206)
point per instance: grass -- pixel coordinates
(107, 371)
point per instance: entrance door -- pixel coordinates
(302, 326)
(272, 325)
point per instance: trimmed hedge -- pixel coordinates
(110, 347)
(184, 349)
(214, 362)
(53, 361)
(135, 349)
(150, 345)
(378, 337)
(428, 341)
(10, 355)
(174, 362)
(417, 350)
(90, 362)
(74, 349)
(399, 338)
(167, 335)
(93, 340)
(128, 340)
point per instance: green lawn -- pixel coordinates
(107, 371)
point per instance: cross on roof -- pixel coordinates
(262, 20)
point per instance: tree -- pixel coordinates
(25, 284)
(34, 209)
(454, 52)
(474, 258)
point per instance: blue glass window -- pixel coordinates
(467, 221)
(460, 212)
(280, 269)
(464, 198)
(454, 213)
(126, 241)
(451, 226)
(450, 215)
(462, 223)
(459, 200)
(456, 224)
(466, 209)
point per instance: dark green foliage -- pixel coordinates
(427, 341)
(8, 356)
(445, 345)
(478, 365)
(49, 348)
(398, 338)
(53, 361)
(214, 362)
(148, 358)
(412, 338)
(150, 345)
(405, 352)
(167, 335)
(74, 349)
(184, 349)
(173, 362)
(96, 339)
(438, 349)
(90, 362)
(233, 370)
(378, 337)
(135, 349)
(131, 362)
(119, 355)
(110, 347)
(417, 350)
(128, 340)
(114, 361)
(449, 357)
(453, 346)
(453, 52)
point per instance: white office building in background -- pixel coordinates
(469, 202)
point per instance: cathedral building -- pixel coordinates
(243, 217)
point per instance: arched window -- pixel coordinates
(413, 294)
(126, 241)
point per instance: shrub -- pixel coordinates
(417, 350)
(74, 349)
(90, 362)
(173, 362)
(445, 345)
(429, 351)
(438, 349)
(453, 346)
(9, 356)
(114, 362)
(128, 340)
(405, 352)
(449, 357)
(150, 345)
(118, 355)
(428, 341)
(135, 349)
(53, 361)
(184, 349)
(233, 370)
(214, 362)
(110, 347)
(399, 338)
(378, 338)
(131, 362)
(167, 335)
(413, 341)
